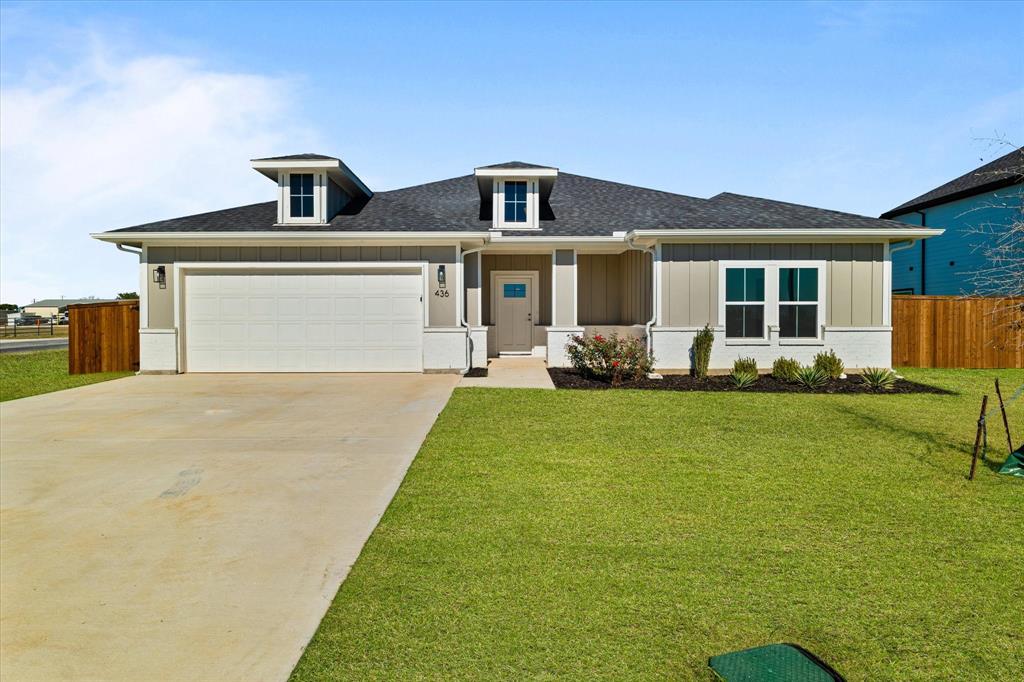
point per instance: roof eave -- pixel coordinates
(949, 198)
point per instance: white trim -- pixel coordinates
(684, 234)
(771, 295)
(554, 285)
(575, 288)
(532, 204)
(886, 285)
(328, 165)
(534, 277)
(657, 284)
(319, 238)
(178, 271)
(144, 288)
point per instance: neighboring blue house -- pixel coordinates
(986, 197)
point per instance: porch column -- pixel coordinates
(563, 308)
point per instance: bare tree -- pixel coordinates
(1001, 242)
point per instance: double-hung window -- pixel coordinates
(515, 201)
(798, 303)
(744, 303)
(301, 194)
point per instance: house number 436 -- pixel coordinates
(442, 293)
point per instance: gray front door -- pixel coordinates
(514, 318)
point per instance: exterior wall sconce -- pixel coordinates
(160, 276)
(440, 277)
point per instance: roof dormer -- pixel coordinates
(312, 188)
(513, 193)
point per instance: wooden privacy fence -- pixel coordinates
(954, 331)
(103, 337)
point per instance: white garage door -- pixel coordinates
(292, 322)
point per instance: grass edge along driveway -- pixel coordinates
(633, 534)
(43, 371)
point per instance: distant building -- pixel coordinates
(51, 307)
(987, 196)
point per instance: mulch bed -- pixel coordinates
(570, 378)
(477, 373)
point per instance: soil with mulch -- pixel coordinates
(570, 378)
(477, 373)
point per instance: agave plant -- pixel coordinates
(744, 379)
(812, 377)
(878, 378)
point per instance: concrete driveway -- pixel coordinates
(192, 527)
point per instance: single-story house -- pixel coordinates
(51, 307)
(513, 258)
(974, 210)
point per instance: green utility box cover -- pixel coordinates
(773, 663)
(1014, 464)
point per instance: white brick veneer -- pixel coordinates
(857, 347)
(158, 350)
(444, 349)
(558, 337)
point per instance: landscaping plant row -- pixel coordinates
(613, 362)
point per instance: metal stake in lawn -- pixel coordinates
(978, 437)
(1006, 423)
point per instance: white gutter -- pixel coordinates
(895, 233)
(283, 236)
(655, 289)
(128, 249)
(463, 321)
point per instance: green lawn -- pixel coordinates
(624, 535)
(25, 374)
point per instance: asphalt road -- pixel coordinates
(32, 344)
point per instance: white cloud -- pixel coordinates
(111, 142)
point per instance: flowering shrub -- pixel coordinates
(609, 358)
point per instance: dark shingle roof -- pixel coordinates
(299, 157)
(1003, 172)
(578, 206)
(512, 165)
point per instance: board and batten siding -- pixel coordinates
(535, 262)
(160, 303)
(853, 275)
(614, 289)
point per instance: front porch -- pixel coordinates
(529, 304)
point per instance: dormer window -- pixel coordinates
(515, 201)
(302, 205)
(515, 194)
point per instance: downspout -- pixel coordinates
(924, 263)
(122, 247)
(463, 322)
(655, 289)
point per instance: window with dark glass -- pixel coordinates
(798, 302)
(515, 201)
(301, 195)
(744, 303)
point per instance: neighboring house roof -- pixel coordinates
(61, 302)
(1005, 171)
(578, 206)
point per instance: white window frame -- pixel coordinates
(771, 299)
(532, 204)
(285, 197)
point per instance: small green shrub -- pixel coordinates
(743, 379)
(785, 369)
(745, 366)
(878, 378)
(811, 376)
(830, 364)
(609, 358)
(702, 352)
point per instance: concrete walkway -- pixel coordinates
(512, 372)
(192, 527)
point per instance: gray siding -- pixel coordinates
(540, 263)
(853, 277)
(615, 289)
(161, 301)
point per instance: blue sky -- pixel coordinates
(116, 114)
